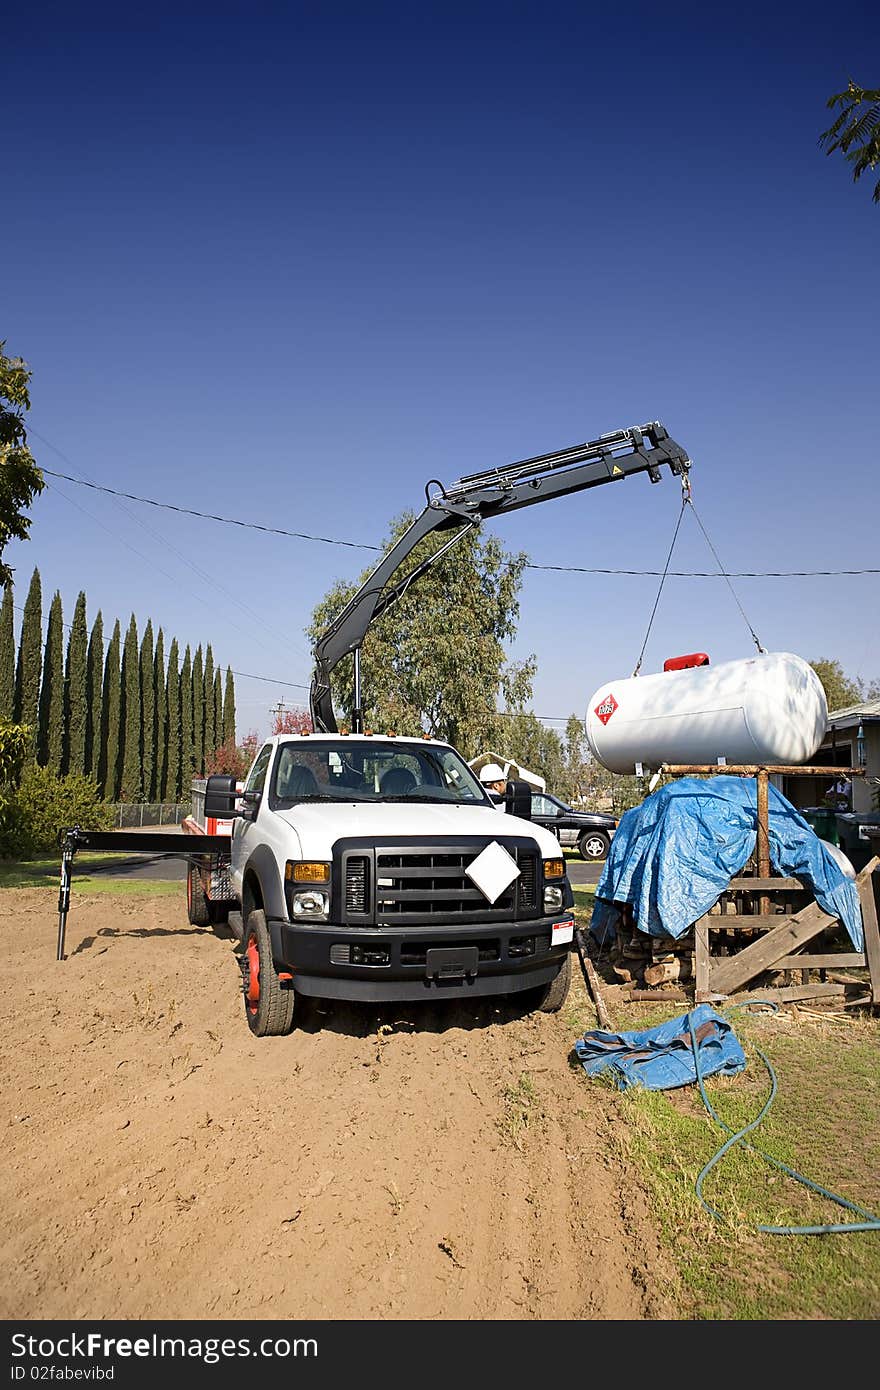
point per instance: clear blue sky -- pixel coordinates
(288, 262)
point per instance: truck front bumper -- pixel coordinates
(410, 963)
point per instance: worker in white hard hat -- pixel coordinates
(493, 779)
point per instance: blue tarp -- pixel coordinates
(663, 1057)
(672, 856)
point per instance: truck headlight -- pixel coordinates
(306, 900)
(552, 899)
(310, 906)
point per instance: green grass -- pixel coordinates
(824, 1123)
(44, 873)
(584, 898)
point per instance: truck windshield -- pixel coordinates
(349, 771)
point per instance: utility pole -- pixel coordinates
(278, 712)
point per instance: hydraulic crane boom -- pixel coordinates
(475, 498)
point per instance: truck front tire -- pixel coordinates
(552, 996)
(268, 1001)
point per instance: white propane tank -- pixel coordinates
(768, 708)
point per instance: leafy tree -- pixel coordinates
(198, 711)
(187, 751)
(15, 746)
(528, 742)
(108, 761)
(148, 713)
(218, 710)
(171, 780)
(161, 715)
(94, 667)
(233, 759)
(44, 805)
(856, 132)
(577, 759)
(229, 709)
(208, 688)
(131, 784)
(435, 662)
(51, 717)
(841, 691)
(30, 665)
(75, 697)
(291, 721)
(20, 478)
(7, 656)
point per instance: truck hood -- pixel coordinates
(319, 826)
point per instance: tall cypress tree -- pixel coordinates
(218, 709)
(171, 784)
(7, 656)
(75, 706)
(187, 761)
(229, 709)
(159, 698)
(27, 671)
(108, 762)
(130, 787)
(148, 714)
(198, 699)
(94, 667)
(51, 714)
(209, 743)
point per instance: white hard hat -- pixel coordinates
(491, 773)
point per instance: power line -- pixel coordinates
(208, 516)
(707, 574)
(530, 565)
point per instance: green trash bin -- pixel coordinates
(823, 821)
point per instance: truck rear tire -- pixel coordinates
(552, 996)
(268, 1001)
(198, 908)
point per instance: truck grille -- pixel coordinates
(412, 885)
(357, 871)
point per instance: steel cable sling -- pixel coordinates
(688, 501)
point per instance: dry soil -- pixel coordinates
(431, 1161)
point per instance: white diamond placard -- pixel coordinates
(492, 871)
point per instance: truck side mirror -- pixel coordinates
(220, 796)
(518, 799)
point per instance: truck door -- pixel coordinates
(244, 831)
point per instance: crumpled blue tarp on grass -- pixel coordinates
(661, 1058)
(671, 857)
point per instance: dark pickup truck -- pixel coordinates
(588, 831)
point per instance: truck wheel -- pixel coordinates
(593, 844)
(552, 996)
(198, 908)
(268, 1002)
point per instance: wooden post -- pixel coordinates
(763, 845)
(701, 960)
(865, 881)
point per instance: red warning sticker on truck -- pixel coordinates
(604, 711)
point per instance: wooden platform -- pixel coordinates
(779, 938)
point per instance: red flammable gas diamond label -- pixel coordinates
(605, 710)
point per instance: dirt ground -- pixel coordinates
(431, 1161)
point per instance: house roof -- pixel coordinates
(854, 714)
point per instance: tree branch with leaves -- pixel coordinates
(856, 132)
(20, 478)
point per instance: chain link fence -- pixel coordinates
(133, 815)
